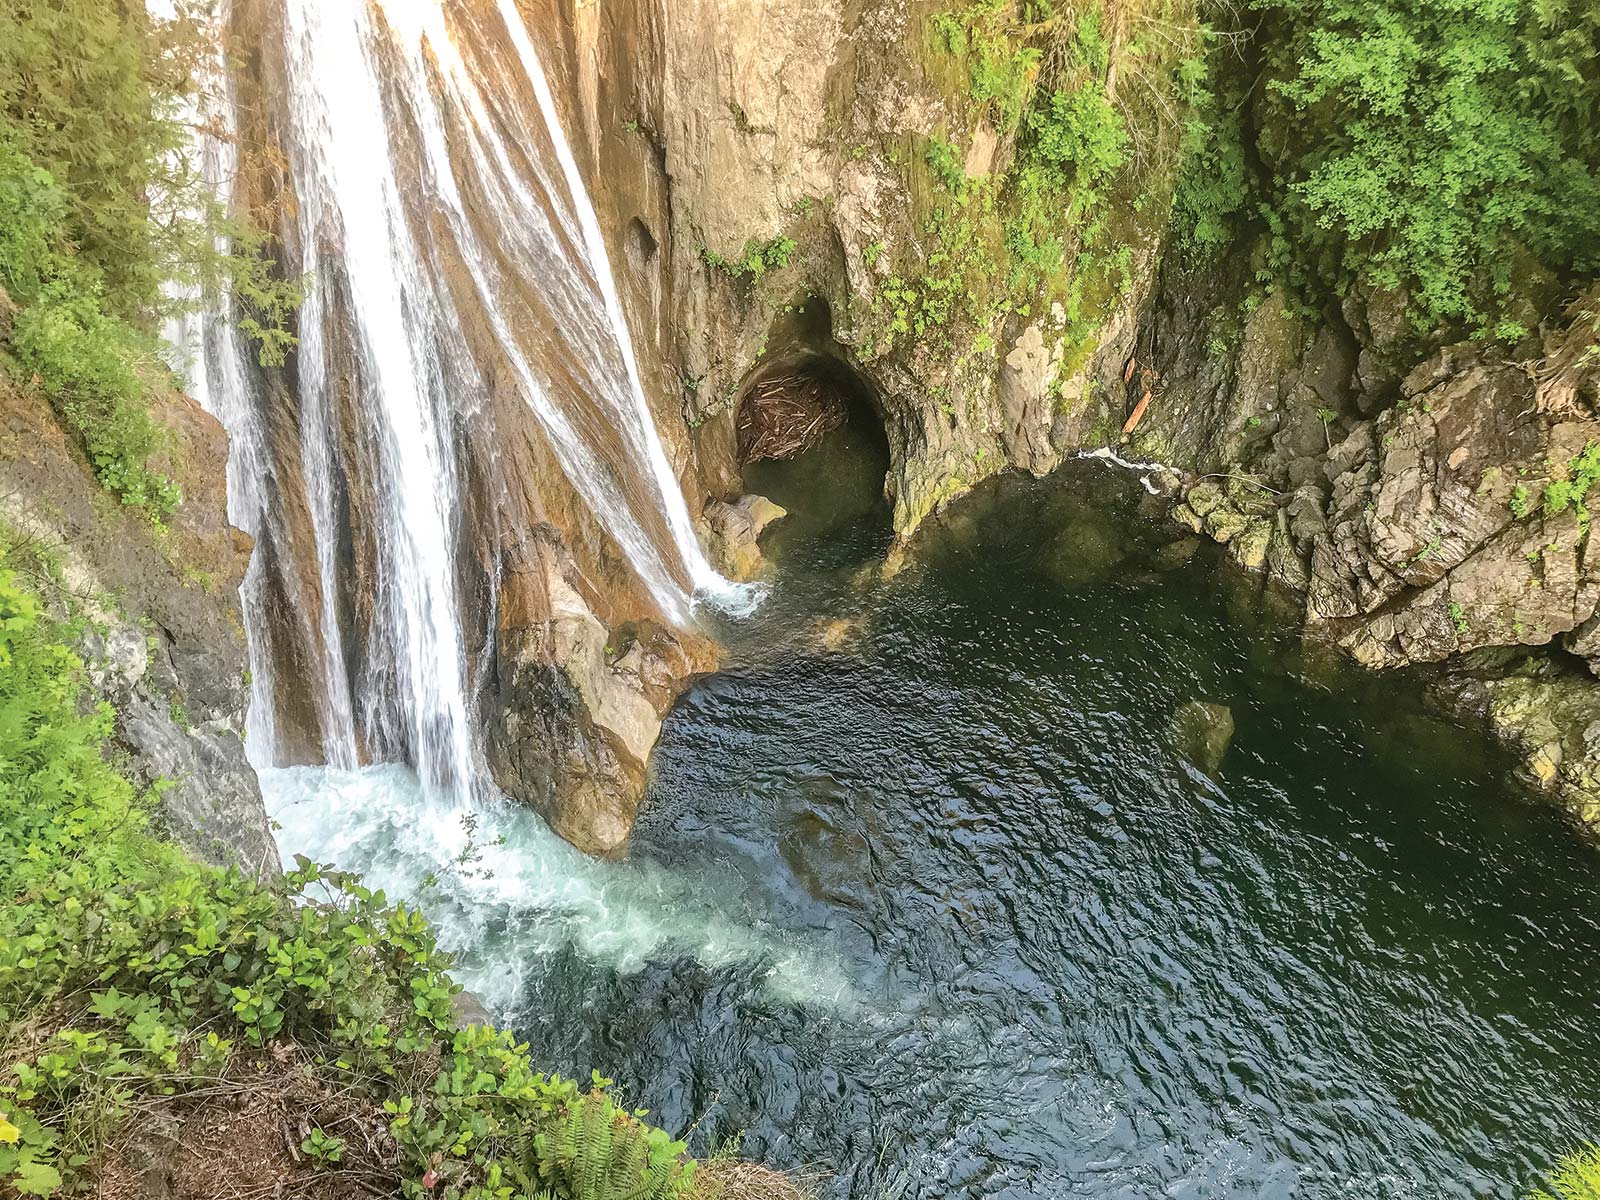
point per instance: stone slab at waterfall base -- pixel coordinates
(578, 708)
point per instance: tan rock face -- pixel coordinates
(583, 665)
(732, 535)
(796, 118)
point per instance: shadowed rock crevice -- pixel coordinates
(805, 388)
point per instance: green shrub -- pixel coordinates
(134, 973)
(1573, 482)
(945, 163)
(599, 1151)
(758, 258)
(1443, 147)
(1213, 185)
(32, 209)
(87, 364)
(1000, 70)
(1078, 137)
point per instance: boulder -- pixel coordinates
(577, 706)
(732, 535)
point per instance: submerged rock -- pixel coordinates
(839, 632)
(1175, 554)
(831, 861)
(1202, 732)
(1543, 712)
(1086, 552)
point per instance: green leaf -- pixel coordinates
(36, 1179)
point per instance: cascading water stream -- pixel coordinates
(209, 354)
(546, 229)
(644, 432)
(360, 256)
(389, 129)
(397, 146)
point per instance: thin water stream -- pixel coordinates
(923, 892)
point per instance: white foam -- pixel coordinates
(1145, 469)
(529, 894)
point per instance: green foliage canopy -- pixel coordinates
(1450, 148)
(104, 223)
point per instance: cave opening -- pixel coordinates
(810, 434)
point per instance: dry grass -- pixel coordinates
(730, 1179)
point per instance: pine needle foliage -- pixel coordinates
(1576, 1178)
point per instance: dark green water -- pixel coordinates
(1353, 964)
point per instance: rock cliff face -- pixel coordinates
(166, 645)
(718, 128)
(1428, 508)
(1411, 498)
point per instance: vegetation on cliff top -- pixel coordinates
(107, 227)
(136, 983)
(1047, 221)
(1445, 149)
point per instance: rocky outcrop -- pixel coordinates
(732, 535)
(1201, 733)
(723, 127)
(577, 707)
(1439, 540)
(166, 643)
(1542, 711)
(1422, 515)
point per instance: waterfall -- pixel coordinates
(451, 252)
(546, 229)
(209, 354)
(366, 270)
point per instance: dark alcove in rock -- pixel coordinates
(810, 435)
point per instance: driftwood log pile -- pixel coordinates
(784, 415)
